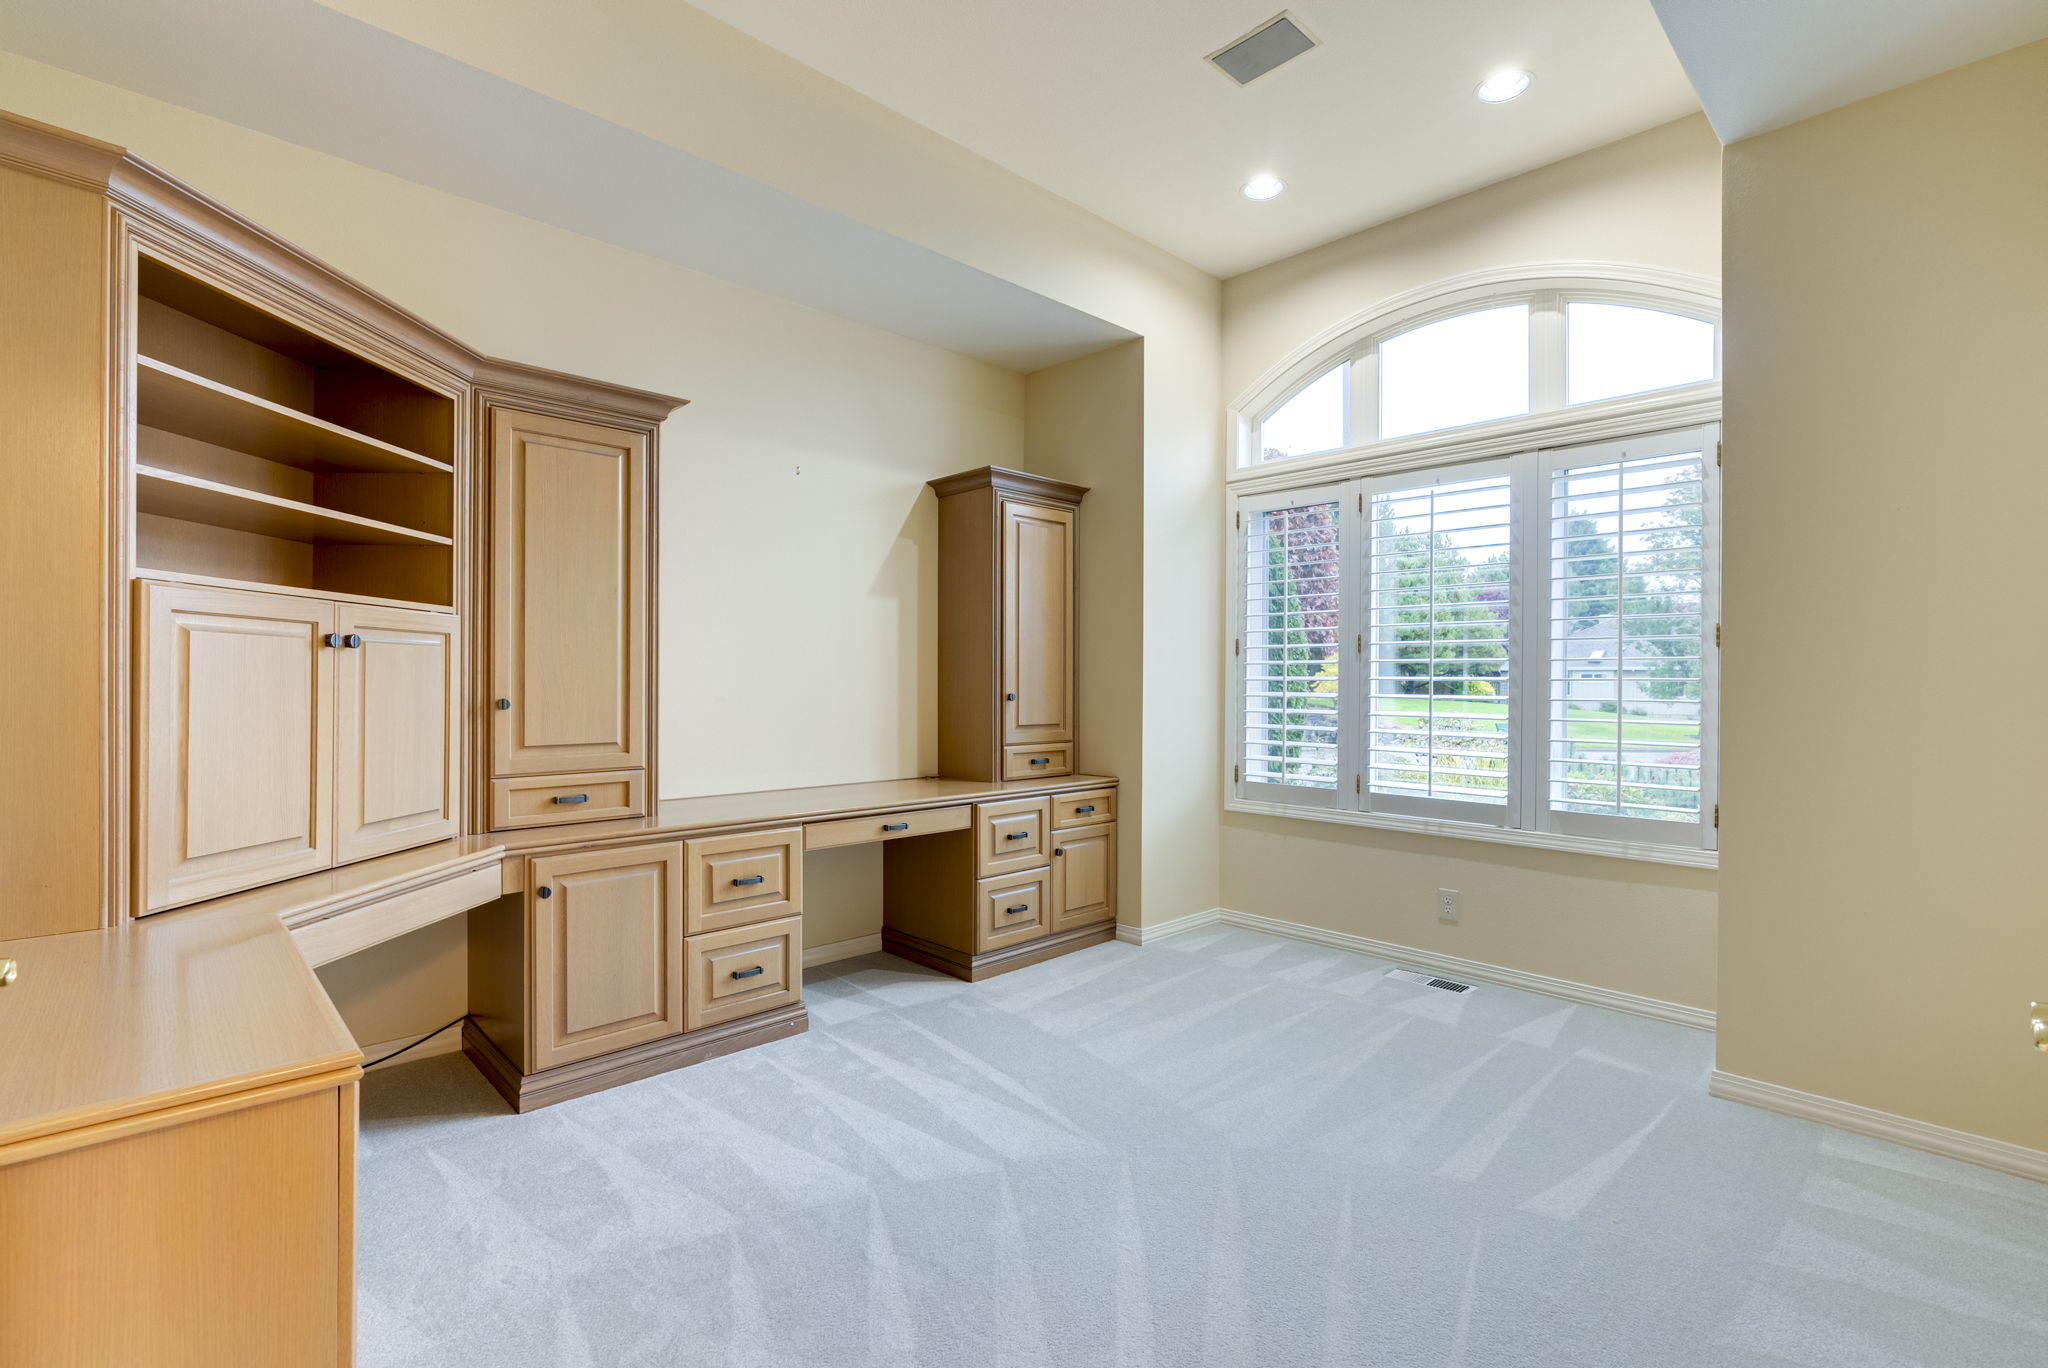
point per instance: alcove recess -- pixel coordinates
(268, 457)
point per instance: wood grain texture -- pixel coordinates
(607, 952)
(397, 747)
(737, 880)
(742, 971)
(559, 799)
(230, 1235)
(970, 645)
(1083, 877)
(1012, 908)
(1011, 836)
(886, 826)
(393, 915)
(1050, 758)
(1037, 624)
(1091, 807)
(55, 443)
(173, 399)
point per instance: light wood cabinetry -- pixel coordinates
(570, 595)
(607, 952)
(1083, 877)
(398, 683)
(1011, 836)
(1006, 624)
(1012, 909)
(553, 799)
(737, 880)
(234, 740)
(743, 971)
(277, 735)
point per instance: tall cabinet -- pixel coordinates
(1006, 624)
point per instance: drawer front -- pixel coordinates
(886, 827)
(557, 799)
(736, 973)
(1092, 808)
(1011, 836)
(330, 938)
(1038, 762)
(1083, 877)
(743, 879)
(1012, 909)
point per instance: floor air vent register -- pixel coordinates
(1431, 980)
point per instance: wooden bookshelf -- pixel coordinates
(169, 494)
(176, 400)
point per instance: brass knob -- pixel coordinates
(2040, 1014)
(9, 970)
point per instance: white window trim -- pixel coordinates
(1526, 436)
(1356, 339)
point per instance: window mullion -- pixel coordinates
(1533, 610)
(1546, 352)
(1354, 692)
(1362, 401)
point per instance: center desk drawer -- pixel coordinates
(741, 879)
(885, 827)
(736, 973)
(1092, 808)
(552, 799)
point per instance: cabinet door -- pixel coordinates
(569, 596)
(396, 680)
(1038, 623)
(1083, 877)
(234, 740)
(607, 951)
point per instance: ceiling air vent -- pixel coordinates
(1273, 43)
(1448, 985)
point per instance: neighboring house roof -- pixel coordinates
(1595, 644)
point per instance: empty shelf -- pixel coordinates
(207, 411)
(172, 495)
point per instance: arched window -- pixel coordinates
(1478, 355)
(1475, 552)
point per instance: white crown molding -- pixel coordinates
(815, 955)
(2001, 1155)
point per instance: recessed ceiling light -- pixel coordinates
(1503, 86)
(1263, 187)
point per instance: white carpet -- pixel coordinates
(1222, 1149)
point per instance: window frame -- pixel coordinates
(1535, 445)
(1546, 289)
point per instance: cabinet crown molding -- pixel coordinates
(1006, 481)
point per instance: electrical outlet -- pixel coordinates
(1447, 905)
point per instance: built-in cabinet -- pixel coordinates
(570, 599)
(1006, 624)
(607, 951)
(278, 735)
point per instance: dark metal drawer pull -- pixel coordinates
(1089, 808)
(1020, 907)
(752, 879)
(749, 973)
(567, 798)
(1018, 836)
(1043, 760)
(895, 826)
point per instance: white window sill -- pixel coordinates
(1466, 831)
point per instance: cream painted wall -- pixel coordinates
(798, 598)
(1642, 928)
(1882, 926)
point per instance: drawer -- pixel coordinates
(1092, 808)
(1012, 909)
(886, 827)
(330, 938)
(1036, 762)
(742, 879)
(555, 799)
(1010, 836)
(736, 973)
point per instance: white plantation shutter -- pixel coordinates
(1628, 728)
(1440, 585)
(1291, 584)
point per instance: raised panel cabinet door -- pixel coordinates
(607, 951)
(1038, 623)
(397, 676)
(569, 595)
(234, 740)
(1083, 877)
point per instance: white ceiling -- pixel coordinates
(298, 70)
(1112, 105)
(1762, 64)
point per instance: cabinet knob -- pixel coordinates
(333, 639)
(566, 799)
(750, 880)
(895, 826)
(546, 892)
(749, 973)
(1059, 850)
(9, 971)
(353, 641)
(1020, 907)
(1009, 698)
(504, 703)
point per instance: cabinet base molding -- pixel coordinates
(527, 1092)
(975, 968)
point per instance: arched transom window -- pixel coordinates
(1464, 362)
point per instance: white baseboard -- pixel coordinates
(1141, 935)
(1699, 1018)
(447, 1042)
(1900, 1130)
(815, 955)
